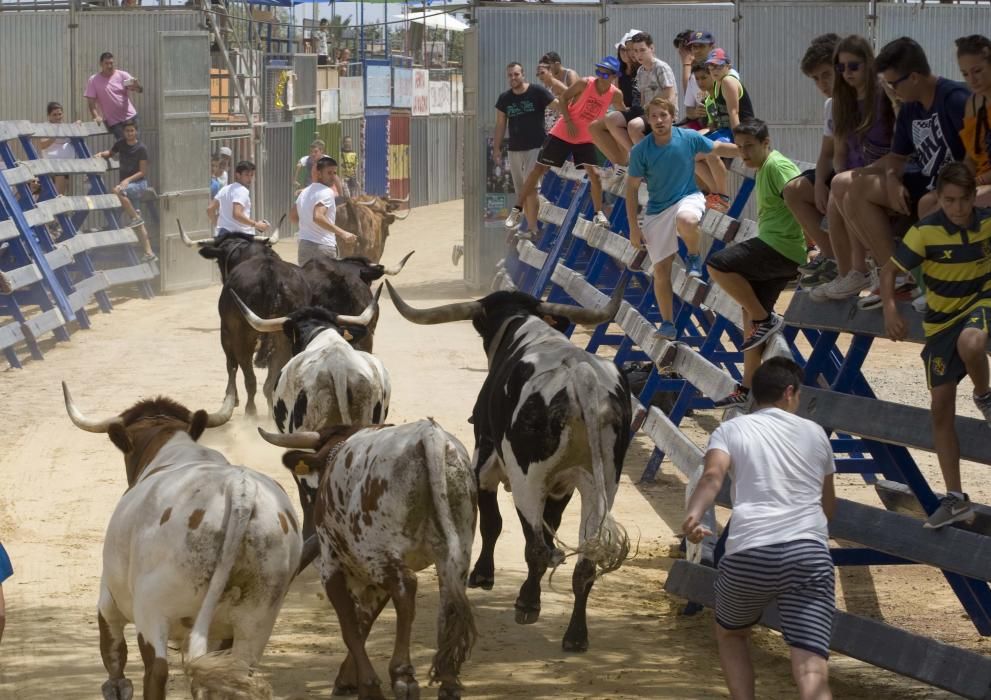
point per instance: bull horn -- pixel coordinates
(587, 317)
(459, 311)
(189, 241)
(262, 325)
(81, 421)
(366, 316)
(305, 440)
(274, 237)
(217, 419)
(399, 266)
(397, 203)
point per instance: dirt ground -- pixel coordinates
(58, 486)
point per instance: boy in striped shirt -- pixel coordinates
(953, 246)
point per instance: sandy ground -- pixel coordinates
(58, 486)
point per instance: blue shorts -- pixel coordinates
(6, 570)
(134, 190)
(721, 135)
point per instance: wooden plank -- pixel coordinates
(45, 322)
(844, 317)
(926, 660)
(551, 214)
(725, 228)
(48, 130)
(889, 422)
(65, 166)
(86, 290)
(643, 333)
(8, 131)
(568, 171)
(11, 334)
(578, 288)
(127, 275)
(22, 276)
(8, 230)
(682, 452)
(18, 175)
(711, 296)
(58, 258)
(900, 499)
(531, 254)
(702, 374)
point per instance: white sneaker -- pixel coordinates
(600, 219)
(919, 304)
(513, 220)
(850, 285)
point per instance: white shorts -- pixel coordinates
(520, 165)
(660, 231)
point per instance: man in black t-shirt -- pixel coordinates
(522, 105)
(133, 157)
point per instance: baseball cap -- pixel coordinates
(700, 38)
(224, 151)
(717, 57)
(610, 63)
(626, 37)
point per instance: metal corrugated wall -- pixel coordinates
(304, 131)
(935, 27)
(459, 156)
(419, 162)
(355, 129)
(277, 167)
(663, 22)
(376, 153)
(26, 38)
(330, 134)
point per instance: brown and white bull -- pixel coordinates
(198, 550)
(368, 218)
(391, 501)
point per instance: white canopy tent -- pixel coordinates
(437, 20)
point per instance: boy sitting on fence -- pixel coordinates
(954, 248)
(755, 271)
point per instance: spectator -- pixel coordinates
(609, 134)
(755, 271)
(343, 62)
(695, 47)
(349, 166)
(952, 248)
(863, 120)
(777, 549)
(230, 209)
(808, 196)
(927, 136)
(107, 96)
(6, 571)
(216, 171)
(133, 157)
(710, 170)
(316, 213)
(731, 101)
(555, 76)
(225, 163)
(522, 106)
(974, 58)
(57, 148)
(585, 101)
(654, 79)
(307, 164)
(674, 206)
(319, 38)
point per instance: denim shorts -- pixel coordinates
(134, 190)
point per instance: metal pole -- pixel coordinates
(73, 69)
(737, 18)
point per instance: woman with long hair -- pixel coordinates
(974, 59)
(863, 126)
(57, 148)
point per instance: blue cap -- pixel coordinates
(701, 37)
(610, 63)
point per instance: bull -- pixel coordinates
(344, 286)
(550, 418)
(390, 501)
(198, 551)
(230, 249)
(368, 218)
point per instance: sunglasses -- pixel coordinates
(604, 74)
(852, 66)
(892, 84)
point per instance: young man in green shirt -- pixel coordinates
(755, 271)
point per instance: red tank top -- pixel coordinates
(589, 106)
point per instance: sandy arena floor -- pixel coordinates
(58, 486)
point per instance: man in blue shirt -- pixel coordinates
(675, 205)
(6, 571)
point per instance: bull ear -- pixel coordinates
(211, 252)
(198, 424)
(390, 219)
(301, 463)
(119, 437)
(371, 272)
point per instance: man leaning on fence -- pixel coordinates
(777, 549)
(107, 94)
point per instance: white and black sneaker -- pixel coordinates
(761, 331)
(953, 508)
(739, 397)
(513, 220)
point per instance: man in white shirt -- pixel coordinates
(316, 214)
(782, 468)
(654, 79)
(230, 210)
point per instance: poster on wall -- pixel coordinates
(352, 97)
(379, 84)
(440, 96)
(457, 95)
(499, 192)
(402, 88)
(329, 107)
(421, 92)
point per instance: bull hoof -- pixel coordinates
(575, 645)
(120, 689)
(345, 690)
(449, 693)
(477, 580)
(527, 616)
(371, 691)
(406, 688)
(557, 557)
(250, 410)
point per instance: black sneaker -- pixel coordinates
(952, 509)
(760, 332)
(739, 397)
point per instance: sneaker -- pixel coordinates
(138, 221)
(905, 290)
(813, 264)
(693, 264)
(920, 304)
(719, 202)
(850, 285)
(739, 397)
(760, 332)
(600, 219)
(953, 508)
(513, 220)
(149, 258)
(819, 271)
(983, 404)
(669, 332)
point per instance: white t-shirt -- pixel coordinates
(306, 202)
(779, 462)
(227, 197)
(60, 149)
(653, 80)
(827, 119)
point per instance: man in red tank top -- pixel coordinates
(587, 100)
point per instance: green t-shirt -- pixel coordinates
(775, 224)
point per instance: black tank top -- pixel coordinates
(722, 113)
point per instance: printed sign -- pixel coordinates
(421, 92)
(402, 88)
(378, 82)
(440, 96)
(352, 93)
(329, 107)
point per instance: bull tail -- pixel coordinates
(606, 542)
(456, 632)
(264, 351)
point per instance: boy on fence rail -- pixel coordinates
(755, 271)
(954, 248)
(782, 467)
(666, 159)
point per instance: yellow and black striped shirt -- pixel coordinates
(956, 266)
